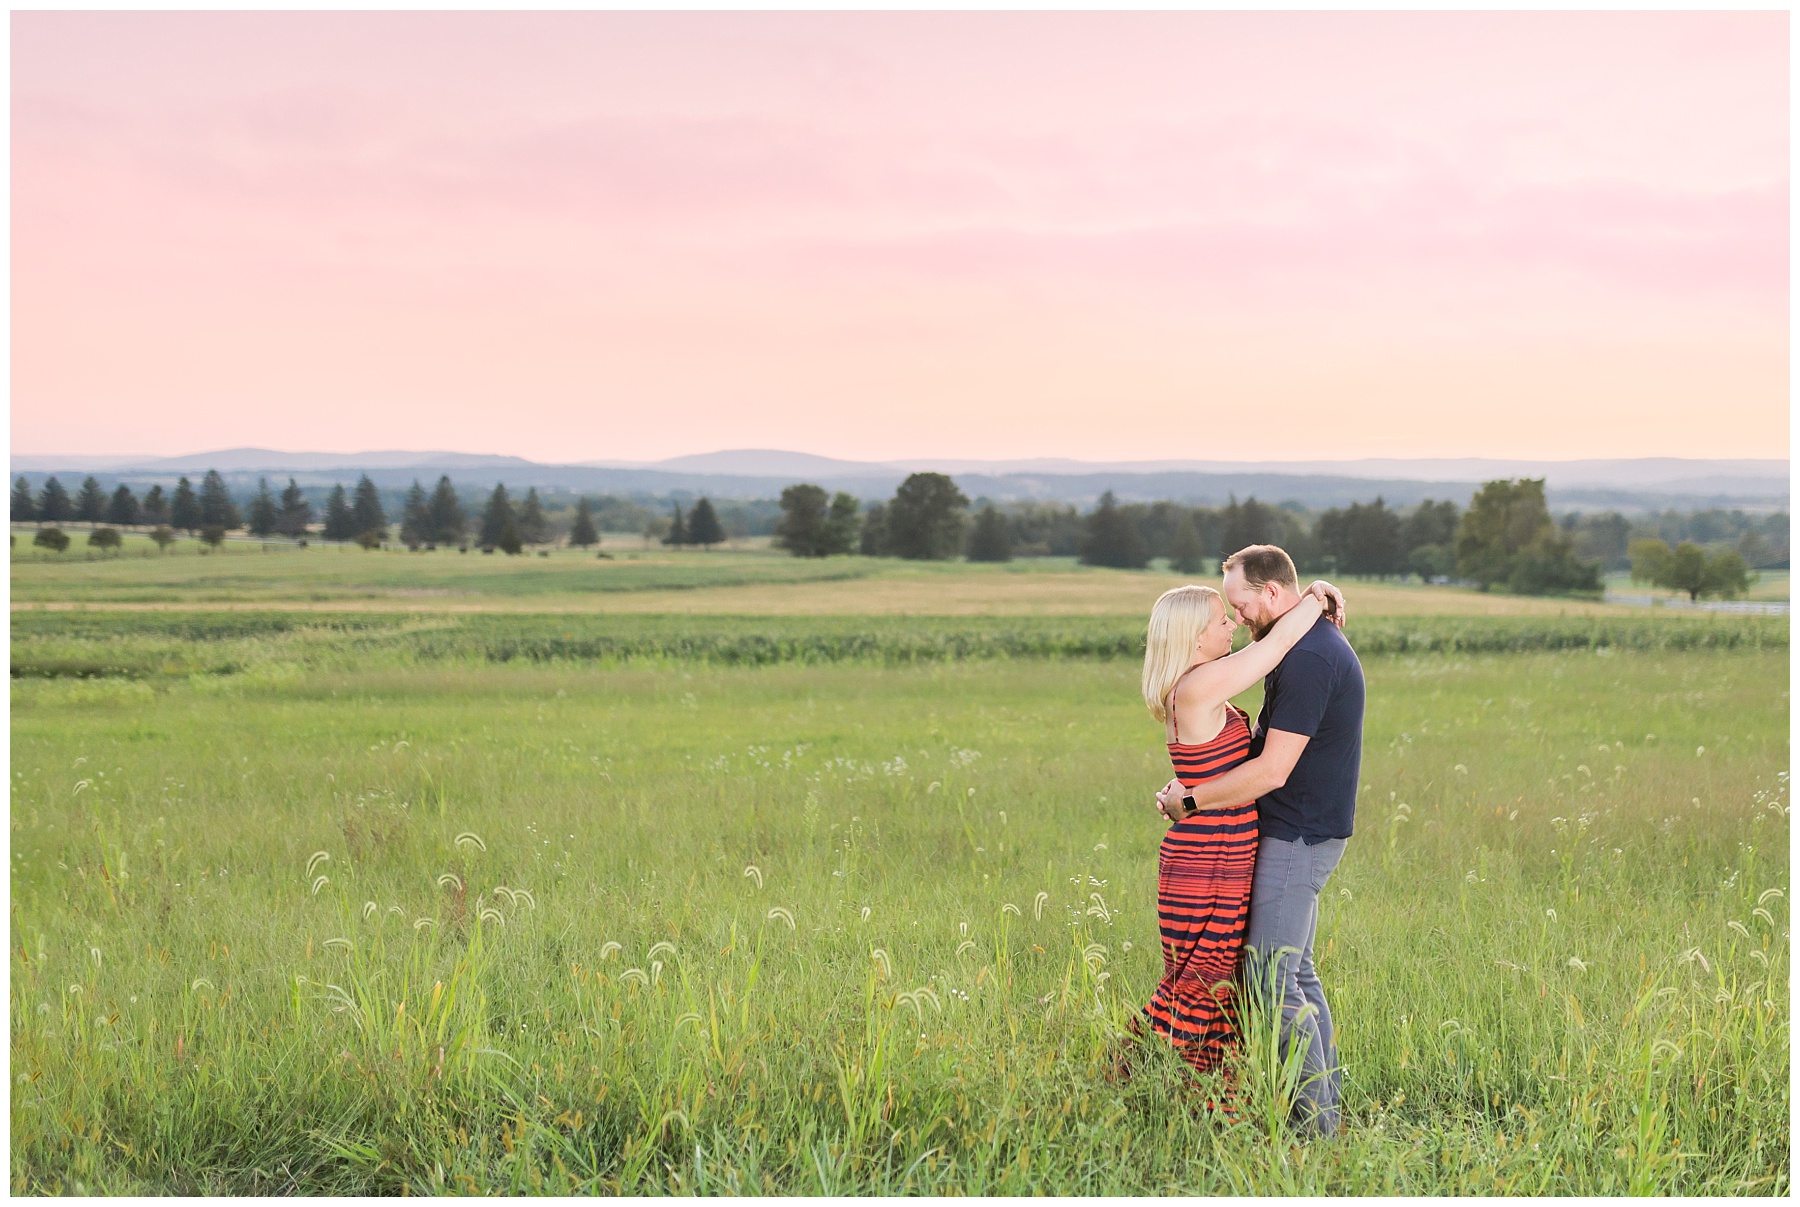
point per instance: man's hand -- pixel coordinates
(1168, 801)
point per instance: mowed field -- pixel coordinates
(351, 891)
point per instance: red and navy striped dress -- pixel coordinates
(1203, 902)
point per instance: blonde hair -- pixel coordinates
(1176, 622)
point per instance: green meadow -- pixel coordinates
(423, 902)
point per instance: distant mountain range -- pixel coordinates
(1629, 484)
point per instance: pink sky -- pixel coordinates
(571, 236)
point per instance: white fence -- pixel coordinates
(1740, 607)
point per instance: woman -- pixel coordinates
(1204, 868)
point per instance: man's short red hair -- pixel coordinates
(1264, 564)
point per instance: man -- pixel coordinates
(1305, 758)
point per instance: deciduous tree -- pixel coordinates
(926, 518)
(53, 539)
(990, 539)
(1507, 537)
(677, 534)
(801, 529)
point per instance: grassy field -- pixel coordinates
(378, 901)
(762, 582)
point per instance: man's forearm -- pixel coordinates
(1242, 783)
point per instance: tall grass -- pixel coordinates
(475, 925)
(147, 644)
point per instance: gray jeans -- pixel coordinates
(1284, 916)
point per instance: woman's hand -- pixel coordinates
(1331, 597)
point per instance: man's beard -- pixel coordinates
(1259, 628)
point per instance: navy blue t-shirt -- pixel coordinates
(1316, 691)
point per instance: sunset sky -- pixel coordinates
(572, 236)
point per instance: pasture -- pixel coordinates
(379, 900)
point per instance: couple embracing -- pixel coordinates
(1260, 814)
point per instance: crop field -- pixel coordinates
(246, 574)
(372, 901)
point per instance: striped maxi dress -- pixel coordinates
(1204, 871)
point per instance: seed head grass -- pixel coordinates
(1598, 1006)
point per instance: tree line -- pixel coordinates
(1505, 538)
(428, 519)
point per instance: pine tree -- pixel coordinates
(24, 508)
(366, 512)
(509, 541)
(1185, 551)
(990, 540)
(415, 518)
(495, 519)
(582, 533)
(262, 510)
(340, 524)
(184, 511)
(448, 523)
(123, 509)
(53, 504)
(677, 535)
(90, 504)
(1112, 538)
(703, 525)
(156, 506)
(295, 513)
(534, 529)
(216, 508)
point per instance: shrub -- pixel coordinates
(53, 539)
